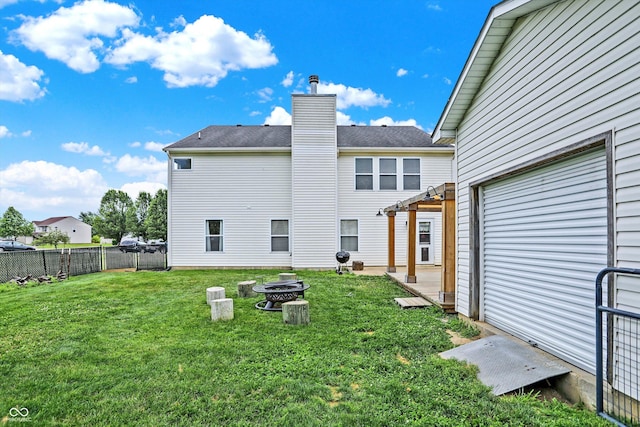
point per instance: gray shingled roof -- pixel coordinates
(280, 137)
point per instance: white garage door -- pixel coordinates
(544, 239)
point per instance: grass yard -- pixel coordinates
(116, 349)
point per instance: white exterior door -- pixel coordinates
(425, 249)
(543, 240)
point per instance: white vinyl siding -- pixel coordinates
(544, 239)
(314, 194)
(565, 74)
(372, 242)
(225, 186)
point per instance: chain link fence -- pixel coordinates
(75, 262)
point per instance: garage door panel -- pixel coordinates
(544, 238)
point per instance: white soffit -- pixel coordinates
(495, 31)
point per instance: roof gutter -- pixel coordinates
(228, 150)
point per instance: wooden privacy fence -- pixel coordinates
(75, 262)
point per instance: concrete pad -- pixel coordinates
(413, 302)
(506, 365)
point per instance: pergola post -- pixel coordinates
(391, 238)
(411, 250)
(448, 277)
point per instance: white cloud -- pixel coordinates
(4, 132)
(401, 72)
(135, 144)
(265, 94)
(83, 148)
(386, 120)
(288, 79)
(434, 6)
(154, 146)
(131, 80)
(446, 81)
(4, 3)
(199, 55)
(151, 168)
(72, 35)
(343, 119)
(19, 82)
(353, 97)
(133, 189)
(51, 188)
(278, 116)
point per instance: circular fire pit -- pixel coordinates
(276, 293)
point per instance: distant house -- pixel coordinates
(293, 196)
(546, 122)
(78, 231)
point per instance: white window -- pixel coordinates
(280, 235)
(349, 235)
(181, 163)
(411, 174)
(214, 235)
(388, 176)
(364, 174)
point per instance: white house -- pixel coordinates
(545, 118)
(78, 231)
(293, 196)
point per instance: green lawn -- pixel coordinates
(116, 349)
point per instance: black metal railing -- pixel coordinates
(617, 358)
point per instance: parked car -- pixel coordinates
(11, 245)
(133, 245)
(158, 245)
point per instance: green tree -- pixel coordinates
(111, 221)
(156, 221)
(137, 216)
(13, 224)
(54, 238)
(87, 217)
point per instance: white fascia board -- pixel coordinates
(215, 150)
(503, 15)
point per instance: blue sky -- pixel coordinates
(90, 91)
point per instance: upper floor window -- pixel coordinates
(214, 235)
(364, 174)
(280, 235)
(411, 174)
(181, 163)
(388, 177)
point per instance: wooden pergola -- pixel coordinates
(435, 199)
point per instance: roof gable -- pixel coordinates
(51, 220)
